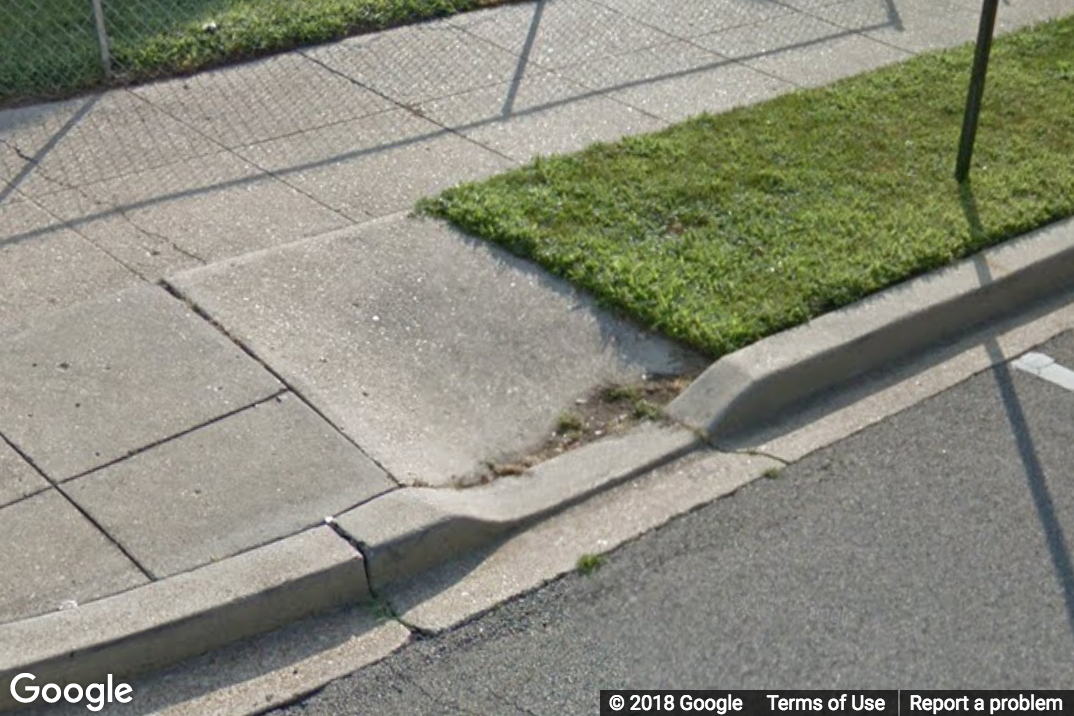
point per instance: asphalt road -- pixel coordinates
(930, 551)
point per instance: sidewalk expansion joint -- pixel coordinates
(182, 433)
(31, 462)
(100, 528)
(348, 78)
(29, 496)
(204, 315)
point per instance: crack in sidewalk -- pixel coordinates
(123, 213)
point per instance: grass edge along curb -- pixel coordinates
(724, 229)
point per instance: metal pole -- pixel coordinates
(102, 38)
(977, 84)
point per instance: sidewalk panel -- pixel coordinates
(773, 38)
(210, 208)
(558, 33)
(914, 25)
(47, 267)
(806, 51)
(148, 254)
(52, 557)
(432, 351)
(690, 18)
(91, 384)
(676, 81)
(1014, 14)
(267, 472)
(418, 62)
(92, 139)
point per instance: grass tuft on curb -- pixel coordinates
(724, 229)
(589, 563)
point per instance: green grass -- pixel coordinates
(589, 563)
(50, 47)
(569, 424)
(640, 408)
(725, 229)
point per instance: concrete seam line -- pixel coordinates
(202, 313)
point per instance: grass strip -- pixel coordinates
(724, 229)
(50, 46)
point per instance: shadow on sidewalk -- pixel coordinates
(289, 118)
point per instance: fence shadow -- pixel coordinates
(288, 119)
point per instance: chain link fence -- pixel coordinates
(48, 47)
(57, 47)
(52, 48)
(470, 74)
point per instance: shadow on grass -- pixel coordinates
(968, 201)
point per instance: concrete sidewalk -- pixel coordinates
(218, 324)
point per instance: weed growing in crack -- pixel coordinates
(589, 563)
(569, 424)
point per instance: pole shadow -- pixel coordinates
(523, 59)
(1043, 502)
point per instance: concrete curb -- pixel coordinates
(185, 615)
(404, 533)
(400, 534)
(749, 389)
(407, 531)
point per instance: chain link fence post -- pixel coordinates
(102, 38)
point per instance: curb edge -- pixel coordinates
(741, 392)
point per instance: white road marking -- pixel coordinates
(1044, 367)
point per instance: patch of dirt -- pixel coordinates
(608, 410)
